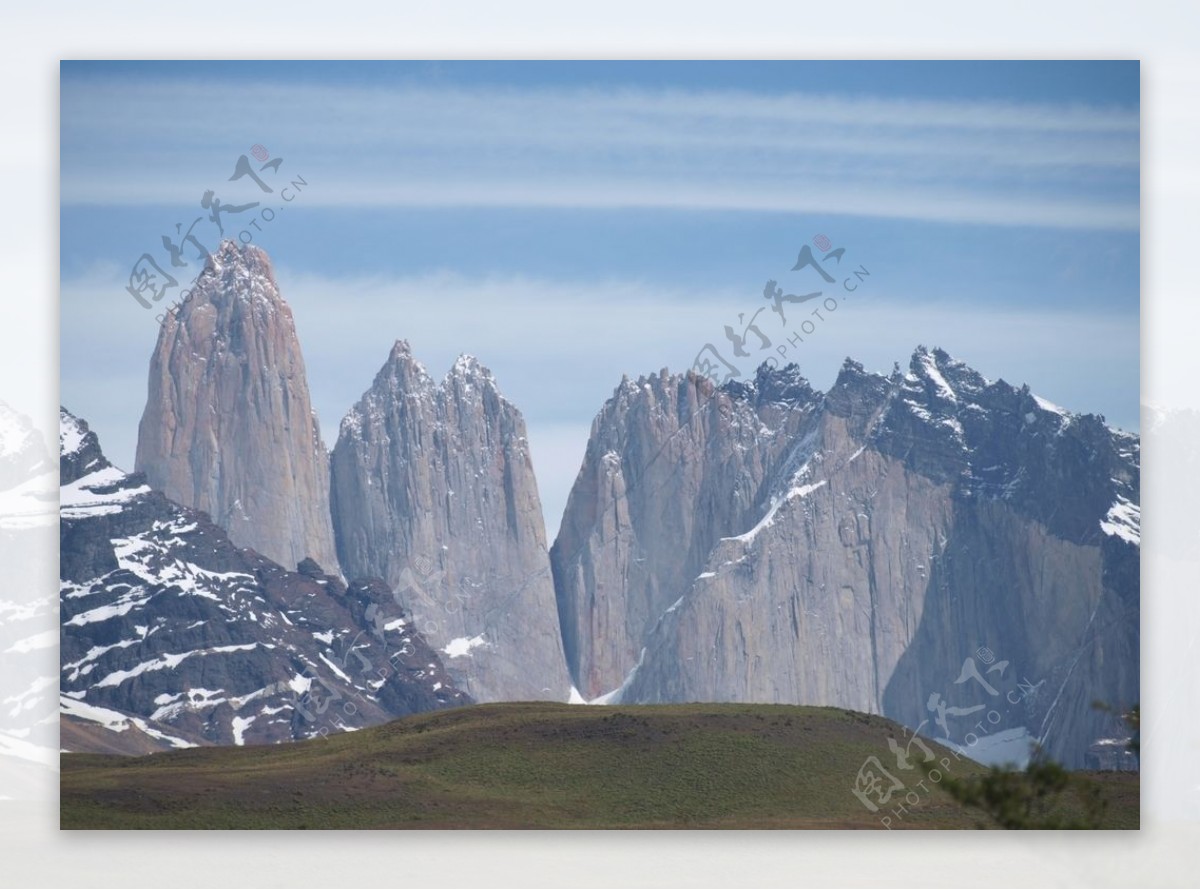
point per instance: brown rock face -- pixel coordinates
(931, 546)
(433, 491)
(228, 426)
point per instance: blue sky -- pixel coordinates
(570, 222)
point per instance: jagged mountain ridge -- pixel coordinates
(757, 541)
(170, 630)
(433, 490)
(229, 426)
(853, 548)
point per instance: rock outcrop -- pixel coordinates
(433, 490)
(172, 636)
(228, 426)
(671, 466)
(931, 546)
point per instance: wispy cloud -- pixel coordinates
(559, 347)
(970, 162)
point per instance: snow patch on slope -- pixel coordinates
(79, 499)
(463, 645)
(239, 726)
(70, 434)
(798, 491)
(116, 721)
(1047, 405)
(929, 366)
(1124, 520)
(614, 697)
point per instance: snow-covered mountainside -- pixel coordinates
(28, 717)
(172, 636)
(928, 545)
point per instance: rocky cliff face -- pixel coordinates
(172, 636)
(433, 490)
(672, 465)
(954, 553)
(228, 426)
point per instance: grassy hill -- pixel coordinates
(538, 765)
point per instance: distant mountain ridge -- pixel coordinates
(762, 541)
(926, 544)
